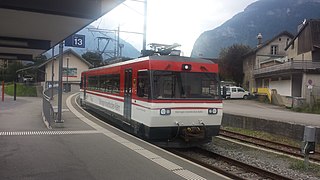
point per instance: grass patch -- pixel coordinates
(314, 110)
(268, 136)
(301, 167)
(295, 164)
(22, 90)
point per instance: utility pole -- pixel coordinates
(59, 120)
(52, 73)
(115, 44)
(2, 92)
(144, 43)
(67, 85)
(118, 42)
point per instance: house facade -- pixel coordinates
(304, 56)
(290, 67)
(73, 66)
(266, 56)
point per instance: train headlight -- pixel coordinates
(212, 111)
(186, 67)
(165, 111)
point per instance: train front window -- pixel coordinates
(185, 85)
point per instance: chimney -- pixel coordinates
(300, 26)
(259, 37)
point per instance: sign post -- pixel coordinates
(310, 93)
(76, 40)
(2, 92)
(59, 119)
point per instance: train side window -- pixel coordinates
(143, 84)
(103, 83)
(110, 83)
(115, 83)
(93, 83)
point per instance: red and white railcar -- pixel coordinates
(169, 100)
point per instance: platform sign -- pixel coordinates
(76, 40)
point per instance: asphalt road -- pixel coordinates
(253, 108)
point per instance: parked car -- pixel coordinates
(234, 92)
(27, 78)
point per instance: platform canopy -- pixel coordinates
(30, 27)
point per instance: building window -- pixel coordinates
(274, 50)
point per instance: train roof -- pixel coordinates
(159, 58)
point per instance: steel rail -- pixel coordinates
(286, 149)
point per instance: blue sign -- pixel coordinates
(76, 40)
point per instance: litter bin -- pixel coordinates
(298, 102)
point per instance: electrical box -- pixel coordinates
(309, 138)
(309, 134)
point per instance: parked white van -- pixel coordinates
(234, 92)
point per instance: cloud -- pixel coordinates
(172, 21)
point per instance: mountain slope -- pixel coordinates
(269, 17)
(91, 44)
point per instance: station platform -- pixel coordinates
(82, 148)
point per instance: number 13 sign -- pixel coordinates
(76, 40)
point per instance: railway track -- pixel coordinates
(228, 167)
(283, 148)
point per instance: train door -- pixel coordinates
(127, 94)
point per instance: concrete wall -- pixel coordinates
(293, 50)
(315, 78)
(263, 53)
(293, 131)
(293, 53)
(248, 79)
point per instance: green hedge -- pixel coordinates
(22, 90)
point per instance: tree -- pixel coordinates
(11, 71)
(39, 59)
(94, 58)
(230, 62)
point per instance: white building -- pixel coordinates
(73, 66)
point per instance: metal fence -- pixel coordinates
(48, 111)
(313, 95)
(293, 65)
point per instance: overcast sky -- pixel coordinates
(171, 21)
